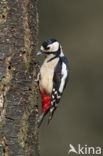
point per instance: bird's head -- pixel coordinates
(50, 47)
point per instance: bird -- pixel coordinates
(52, 77)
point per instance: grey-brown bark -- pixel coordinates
(18, 108)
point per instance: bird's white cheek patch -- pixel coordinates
(54, 46)
(64, 73)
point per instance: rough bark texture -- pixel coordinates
(18, 98)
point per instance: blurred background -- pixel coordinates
(78, 26)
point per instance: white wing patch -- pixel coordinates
(64, 73)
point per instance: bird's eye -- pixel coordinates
(47, 48)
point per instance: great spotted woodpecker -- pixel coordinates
(52, 77)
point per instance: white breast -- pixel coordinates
(46, 73)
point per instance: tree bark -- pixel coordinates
(18, 96)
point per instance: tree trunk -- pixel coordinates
(18, 97)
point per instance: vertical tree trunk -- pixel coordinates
(18, 100)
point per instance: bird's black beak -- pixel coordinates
(39, 52)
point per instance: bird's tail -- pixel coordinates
(52, 110)
(40, 119)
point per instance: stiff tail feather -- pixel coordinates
(40, 119)
(52, 110)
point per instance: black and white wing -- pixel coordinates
(59, 83)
